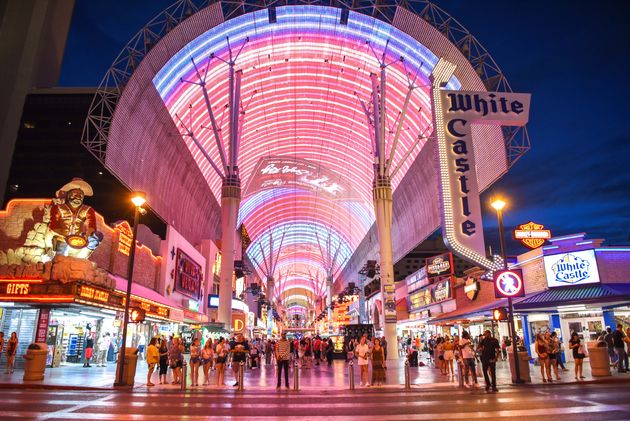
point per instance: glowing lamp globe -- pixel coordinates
(138, 198)
(498, 204)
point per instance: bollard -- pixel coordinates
(241, 376)
(460, 374)
(351, 374)
(296, 377)
(407, 379)
(184, 375)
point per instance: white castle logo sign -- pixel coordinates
(571, 269)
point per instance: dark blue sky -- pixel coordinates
(572, 56)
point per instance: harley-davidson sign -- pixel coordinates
(532, 235)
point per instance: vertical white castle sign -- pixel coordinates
(453, 114)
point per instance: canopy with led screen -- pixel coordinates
(305, 157)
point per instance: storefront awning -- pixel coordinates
(467, 313)
(610, 295)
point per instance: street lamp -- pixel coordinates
(138, 199)
(498, 205)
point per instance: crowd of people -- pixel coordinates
(166, 357)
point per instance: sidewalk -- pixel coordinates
(76, 376)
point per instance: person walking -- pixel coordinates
(103, 346)
(350, 348)
(239, 350)
(176, 355)
(221, 356)
(282, 354)
(575, 344)
(195, 361)
(207, 356)
(89, 349)
(12, 345)
(490, 351)
(330, 348)
(317, 349)
(153, 357)
(384, 346)
(449, 356)
(268, 352)
(1, 342)
(542, 351)
(163, 354)
(363, 354)
(378, 364)
(553, 349)
(620, 349)
(559, 345)
(468, 355)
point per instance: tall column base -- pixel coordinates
(389, 331)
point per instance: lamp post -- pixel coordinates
(138, 199)
(498, 205)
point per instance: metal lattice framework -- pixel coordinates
(97, 124)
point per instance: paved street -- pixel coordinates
(578, 402)
(317, 377)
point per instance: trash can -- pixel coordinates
(523, 359)
(35, 364)
(598, 358)
(129, 371)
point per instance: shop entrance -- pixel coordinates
(588, 328)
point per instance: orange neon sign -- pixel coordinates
(21, 288)
(94, 294)
(24, 281)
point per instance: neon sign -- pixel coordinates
(532, 235)
(454, 113)
(125, 237)
(509, 283)
(18, 288)
(94, 294)
(188, 276)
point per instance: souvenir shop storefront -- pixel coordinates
(73, 316)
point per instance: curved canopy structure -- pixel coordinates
(306, 148)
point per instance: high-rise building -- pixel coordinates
(32, 39)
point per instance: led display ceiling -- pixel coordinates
(306, 165)
(305, 150)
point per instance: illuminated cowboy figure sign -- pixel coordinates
(453, 114)
(73, 224)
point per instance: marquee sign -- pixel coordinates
(125, 237)
(440, 265)
(532, 235)
(509, 283)
(453, 114)
(569, 269)
(188, 276)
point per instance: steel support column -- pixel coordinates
(382, 194)
(230, 203)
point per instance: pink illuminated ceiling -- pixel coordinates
(305, 157)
